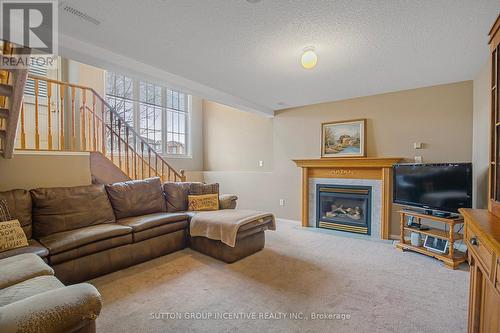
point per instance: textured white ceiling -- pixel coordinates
(252, 51)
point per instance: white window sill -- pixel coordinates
(178, 156)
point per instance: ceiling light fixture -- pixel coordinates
(309, 58)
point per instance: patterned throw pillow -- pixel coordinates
(4, 211)
(203, 202)
(12, 235)
(201, 188)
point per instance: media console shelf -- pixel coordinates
(451, 259)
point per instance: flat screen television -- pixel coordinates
(444, 187)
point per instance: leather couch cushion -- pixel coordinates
(33, 247)
(68, 240)
(160, 230)
(90, 248)
(177, 195)
(137, 197)
(140, 223)
(62, 209)
(244, 247)
(201, 188)
(19, 204)
(104, 262)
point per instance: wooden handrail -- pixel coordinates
(121, 140)
(91, 130)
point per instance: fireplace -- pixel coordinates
(344, 207)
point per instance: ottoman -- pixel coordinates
(250, 239)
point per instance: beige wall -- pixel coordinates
(236, 140)
(28, 170)
(32, 170)
(440, 117)
(92, 77)
(481, 136)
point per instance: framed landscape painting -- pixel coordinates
(343, 138)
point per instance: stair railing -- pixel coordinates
(61, 116)
(12, 83)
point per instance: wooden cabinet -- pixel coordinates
(494, 177)
(482, 227)
(477, 248)
(490, 313)
(482, 237)
(484, 303)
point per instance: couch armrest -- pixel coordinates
(227, 201)
(60, 310)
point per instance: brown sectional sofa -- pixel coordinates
(87, 231)
(20, 204)
(94, 230)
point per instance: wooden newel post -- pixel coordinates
(183, 177)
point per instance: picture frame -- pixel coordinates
(436, 244)
(345, 138)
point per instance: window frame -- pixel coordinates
(187, 121)
(138, 104)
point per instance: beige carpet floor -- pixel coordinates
(303, 272)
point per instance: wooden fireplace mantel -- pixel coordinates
(378, 168)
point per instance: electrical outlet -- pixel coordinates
(282, 202)
(418, 145)
(261, 163)
(418, 159)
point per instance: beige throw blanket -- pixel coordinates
(224, 224)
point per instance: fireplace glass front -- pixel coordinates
(344, 208)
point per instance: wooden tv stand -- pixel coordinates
(454, 257)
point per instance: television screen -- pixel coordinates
(444, 187)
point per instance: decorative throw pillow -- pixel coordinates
(12, 235)
(203, 202)
(201, 188)
(4, 211)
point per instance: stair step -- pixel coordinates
(4, 113)
(5, 90)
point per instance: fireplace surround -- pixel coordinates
(364, 171)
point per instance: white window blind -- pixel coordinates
(39, 70)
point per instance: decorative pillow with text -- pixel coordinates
(12, 235)
(203, 202)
